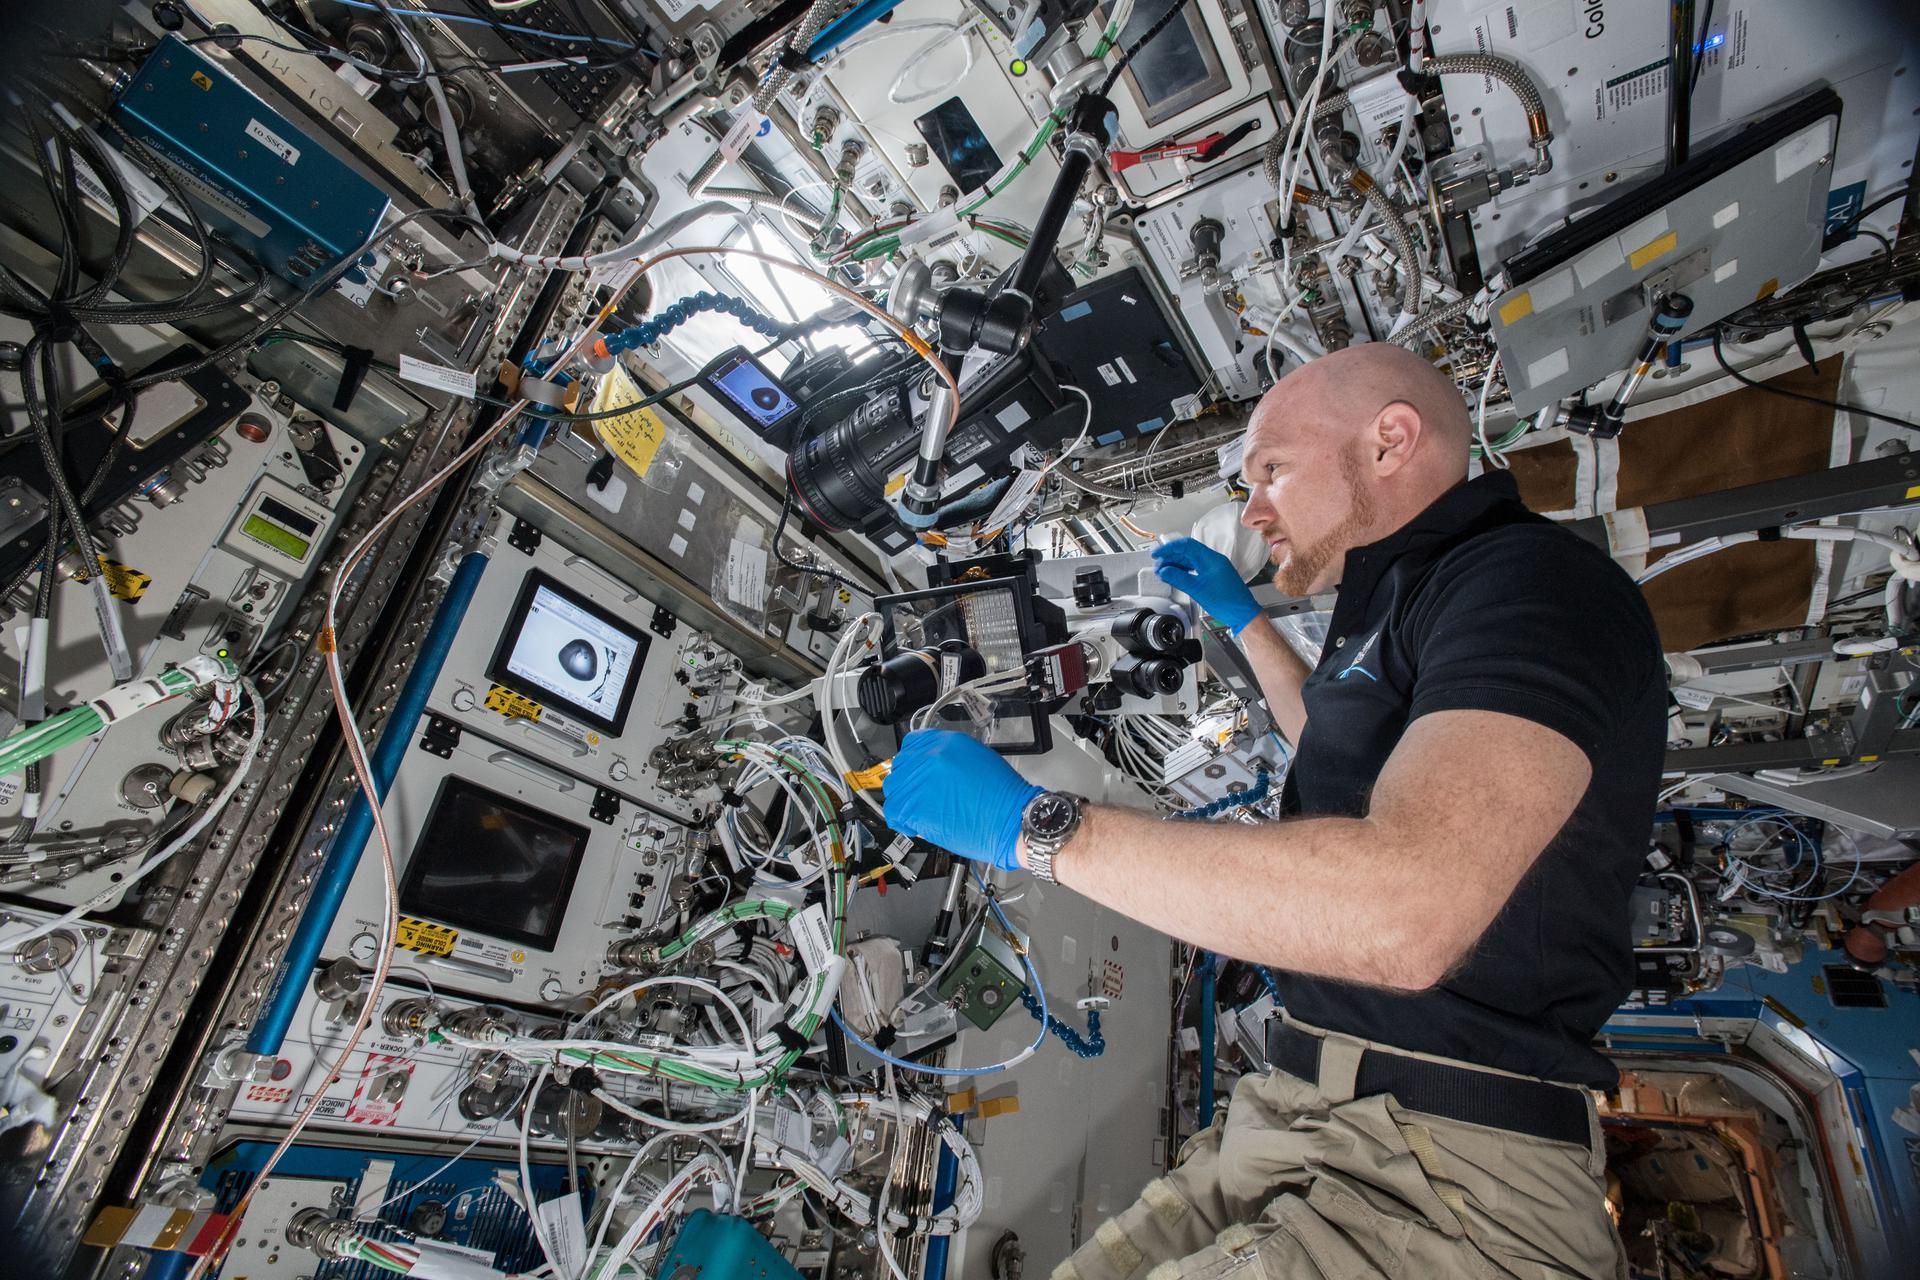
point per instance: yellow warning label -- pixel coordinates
(1653, 249)
(514, 706)
(426, 937)
(635, 437)
(1518, 307)
(1914, 492)
(202, 79)
(123, 581)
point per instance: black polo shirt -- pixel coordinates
(1479, 604)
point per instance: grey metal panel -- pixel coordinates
(1885, 802)
(1859, 486)
(1800, 753)
(1751, 232)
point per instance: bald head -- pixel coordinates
(1345, 450)
(1344, 392)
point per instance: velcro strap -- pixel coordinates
(351, 376)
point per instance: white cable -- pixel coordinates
(918, 56)
(1804, 533)
(213, 810)
(1330, 50)
(613, 1197)
(1487, 453)
(1366, 212)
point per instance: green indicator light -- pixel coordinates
(1018, 66)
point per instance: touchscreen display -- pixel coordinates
(748, 388)
(559, 648)
(493, 864)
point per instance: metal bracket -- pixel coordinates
(523, 537)
(605, 806)
(663, 622)
(231, 1064)
(441, 738)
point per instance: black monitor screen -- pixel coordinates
(559, 647)
(760, 401)
(1176, 70)
(490, 863)
(959, 145)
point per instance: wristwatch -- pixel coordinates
(1048, 822)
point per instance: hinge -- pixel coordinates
(523, 537)
(441, 738)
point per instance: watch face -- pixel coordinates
(1052, 815)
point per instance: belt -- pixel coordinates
(1534, 1107)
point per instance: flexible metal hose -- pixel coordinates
(762, 199)
(1508, 73)
(1270, 161)
(1433, 320)
(1401, 236)
(777, 76)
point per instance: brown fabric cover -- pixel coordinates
(1742, 438)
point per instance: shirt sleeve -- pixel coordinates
(1533, 622)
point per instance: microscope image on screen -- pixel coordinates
(563, 650)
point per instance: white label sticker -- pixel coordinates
(567, 1232)
(1014, 501)
(748, 125)
(1107, 375)
(442, 1261)
(677, 544)
(686, 520)
(934, 224)
(747, 575)
(613, 275)
(437, 376)
(696, 494)
(810, 935)
(1120, 363)
(1801, 150)
(273, 142)
(1696, 699)
(792, 1130)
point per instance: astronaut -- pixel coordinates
(1444, 903)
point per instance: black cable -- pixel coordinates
(1839, 405)
(813, 571)
(1886, 245)
(1700, 48)
(1160, 25)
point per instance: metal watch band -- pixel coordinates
(1042, 849)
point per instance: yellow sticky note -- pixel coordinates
(1652, 249)
(1516, 308)
(635, 437)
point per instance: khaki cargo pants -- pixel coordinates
(1299, 1180)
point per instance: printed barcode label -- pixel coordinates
(438, 376)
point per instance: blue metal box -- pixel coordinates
(257, 178)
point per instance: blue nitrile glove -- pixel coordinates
(958, 793)
(1189, 565)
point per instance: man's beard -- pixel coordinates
(1305, 564)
